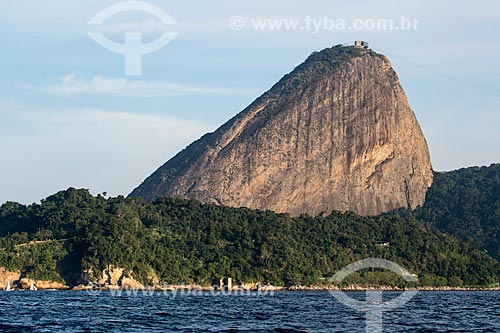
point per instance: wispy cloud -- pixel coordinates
(49, 149)
(71, 84)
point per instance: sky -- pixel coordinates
(71, 116)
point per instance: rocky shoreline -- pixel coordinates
(117, 279)
(293, 288)
(24, 284)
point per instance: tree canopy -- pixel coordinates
(179, 241)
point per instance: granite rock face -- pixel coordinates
(337, 133)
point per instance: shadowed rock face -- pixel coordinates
(336, 133)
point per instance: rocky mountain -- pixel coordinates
(337, 133)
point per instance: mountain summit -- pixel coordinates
(337, 133)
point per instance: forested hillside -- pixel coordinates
(185, 241)
(466, 203)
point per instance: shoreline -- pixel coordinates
(278, 289)
(189, 288)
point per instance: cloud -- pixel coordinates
(48, 149)
(71, 84)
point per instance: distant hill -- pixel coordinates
(175, 240)
(466, 203)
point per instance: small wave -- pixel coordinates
(165, 314)
(15, 328)
(289, 330)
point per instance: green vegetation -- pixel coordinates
(318, 64)
(185, 241)
(466, 203)
(36, 260)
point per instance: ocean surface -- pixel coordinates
(77, 311)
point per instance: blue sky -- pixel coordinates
(70, 117)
